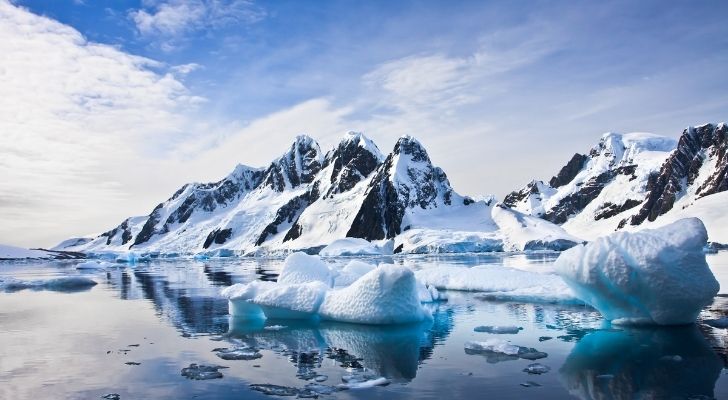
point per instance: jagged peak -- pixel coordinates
(410, 146)
(362, 141)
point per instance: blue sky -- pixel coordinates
(147, 95)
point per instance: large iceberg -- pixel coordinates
(387, 294)
(655, 276)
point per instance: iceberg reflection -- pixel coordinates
(393, 352)
(667, 362)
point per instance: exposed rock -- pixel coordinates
(568, 172)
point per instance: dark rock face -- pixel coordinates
(289, 213)
(516, 197)
(351, 163)
(218, 236)
(578, 200)
(381, 213)
(609, 210)
(304, 155)
(148, 229)
(126, 234)
(569, 171)
(681, 170)
(208, 196)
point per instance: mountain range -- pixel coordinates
(307, 199)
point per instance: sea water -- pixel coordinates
(159, 330)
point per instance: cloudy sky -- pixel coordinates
(108, 106)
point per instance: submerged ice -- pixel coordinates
(654, 276)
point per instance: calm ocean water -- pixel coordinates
(134, 332)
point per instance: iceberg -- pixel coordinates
(356, 247)
(385, 295)
(501, 283)
(388, 294)
(654, 276)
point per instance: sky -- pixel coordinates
(108, 106)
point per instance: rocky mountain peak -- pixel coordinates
(408, 145)
(353, 159)
(299, 165)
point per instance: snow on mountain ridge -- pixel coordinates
(305, 200)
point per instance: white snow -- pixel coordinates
(385, 295)
(18, 253)
(304, 268)
(352, 271)
(501, 283)
(649, 277)
(356, 247)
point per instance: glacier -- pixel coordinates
(654, 276)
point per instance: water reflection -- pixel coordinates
(674, 362)
(394, 352)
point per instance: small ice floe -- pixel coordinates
(283, 391)
(202, 372)
(93, 265)
(132, 363)
(497, 350)
(530, 384)
(63, 284)
(362, 380)
(654, 276)
(537, 369)
(544, 338)
(112, 396)
(498, 329)
(236, 354)
(275, 327)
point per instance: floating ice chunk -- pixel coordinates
(62, 284)
(537, 369)
(498, 329)
(654, 276)
(202, 372)
(385, 295)
(362, 380)
(303, 268)
(240, 299)
(238, 354)
(356, 247)
(501, 283)
(497, 350)
(275, 327)
(492, 345)
(93, 265)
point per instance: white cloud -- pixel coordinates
(171, 20)
(74, 115)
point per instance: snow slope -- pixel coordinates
(630, 180)
(352, 199)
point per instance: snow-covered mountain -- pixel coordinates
(305, 200)
(633, 180)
